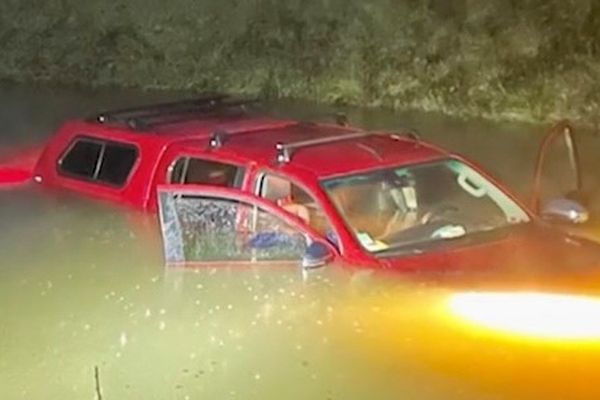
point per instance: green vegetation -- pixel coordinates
(528, 60)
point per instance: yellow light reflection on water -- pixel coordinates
(542, 315)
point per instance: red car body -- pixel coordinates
(303, 153)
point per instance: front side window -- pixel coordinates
(295, 200)
(421, 204)
(188, 170)
(198, 228)
(100, 161)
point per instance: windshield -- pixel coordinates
(418, 204)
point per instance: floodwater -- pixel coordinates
(88, 310)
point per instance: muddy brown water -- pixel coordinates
(88, 309)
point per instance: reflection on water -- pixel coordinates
(83, 285)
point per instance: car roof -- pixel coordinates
(345, 150)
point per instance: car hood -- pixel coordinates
(531, 256)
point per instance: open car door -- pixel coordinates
(558, 191)
(214, 226)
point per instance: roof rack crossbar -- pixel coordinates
(285, 150)
(159, 107)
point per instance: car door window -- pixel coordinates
(190, 170)
(558, 172)
(209, 228)
(295, 200)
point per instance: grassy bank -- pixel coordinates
(527, 60)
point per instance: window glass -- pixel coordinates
(81, 159)
(296, 200)
(203, 172)
(98, 160)
(197, 229)
(418, 205)
(117, 162)
(177, 170)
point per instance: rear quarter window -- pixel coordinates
(117, 163)
(81, 159)
(99, 161)
(188, 170)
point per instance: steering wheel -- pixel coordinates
(439, 213)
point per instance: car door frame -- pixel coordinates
(562, 129)
(241, 196)
(178, 150)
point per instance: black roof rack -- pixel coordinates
(206, 106)
(285, 150)
(217, 139)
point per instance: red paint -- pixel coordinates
(16, 167)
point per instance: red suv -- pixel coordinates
(232, 187)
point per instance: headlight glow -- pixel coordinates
(551, 316)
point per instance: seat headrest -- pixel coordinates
(276, 188)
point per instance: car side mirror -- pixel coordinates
(317, 254)
(564, 211)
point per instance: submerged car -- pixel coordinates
(232, 187)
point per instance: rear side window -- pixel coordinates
(116, 164)
(190, 170)
(82, 159)
(100, 161)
